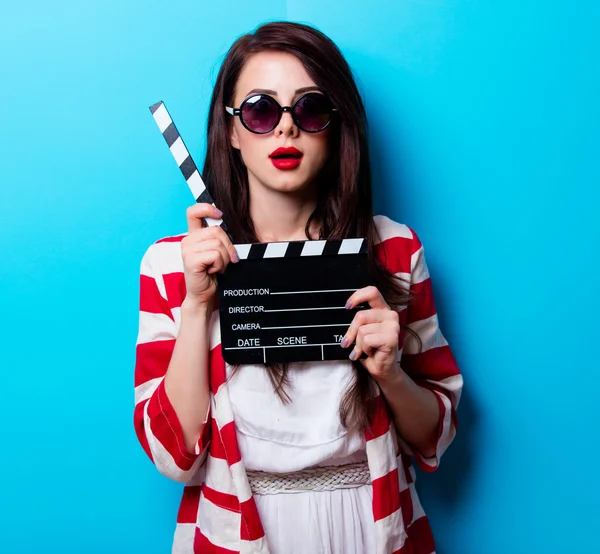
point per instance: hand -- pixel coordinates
(376, 332)
(205, 251)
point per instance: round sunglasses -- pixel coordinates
(261, 113)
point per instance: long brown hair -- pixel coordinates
(344, 206)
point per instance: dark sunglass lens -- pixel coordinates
(313, 112)
(260, 113)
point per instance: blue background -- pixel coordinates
(484, 123)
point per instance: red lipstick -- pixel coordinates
(286, 158)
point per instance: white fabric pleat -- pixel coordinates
(330, 522)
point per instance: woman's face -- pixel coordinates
(282, 74)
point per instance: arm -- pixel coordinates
(172, 365)
(423, 390)
(186, 381)
(431, 365)
(174, 436)
(415, 412)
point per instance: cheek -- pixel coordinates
(250, 148)
(322, 151)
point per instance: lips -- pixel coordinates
(286, 158)
(289, 152)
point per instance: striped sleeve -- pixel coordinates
(156, 424)
(430, 364)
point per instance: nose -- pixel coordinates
(286, 126)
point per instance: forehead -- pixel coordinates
(278, 71)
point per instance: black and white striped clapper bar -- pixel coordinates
(183, 158)
(284, 301)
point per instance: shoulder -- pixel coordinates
(397, 244)
(163, 256)
(389, 229)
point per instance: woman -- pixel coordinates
(353, 425)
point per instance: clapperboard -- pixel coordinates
(284, 301)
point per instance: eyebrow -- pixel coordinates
(274, 92)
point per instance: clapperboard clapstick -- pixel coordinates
(284, 301)
(184, 159)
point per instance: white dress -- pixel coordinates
(307, 432)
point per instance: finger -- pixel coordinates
(210, 261)
(216, 232)
(365, 317)
(372, 343)
(216, 245)
(370, 295)
(224, 238)
(195, 215)
(363, 343)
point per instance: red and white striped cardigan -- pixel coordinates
(218, 514)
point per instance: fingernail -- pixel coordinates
(353, 355)
(235, 258)
(219, 212)
(344, 342)
(348, 305)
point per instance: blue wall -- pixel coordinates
(485, 126)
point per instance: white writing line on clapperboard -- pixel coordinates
(314, 291)
(308, 309)
(267, 292)
(282, 346)
(304, 326)
(254, 309)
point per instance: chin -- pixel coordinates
(289, 185)
(293, 181)
(293, 187)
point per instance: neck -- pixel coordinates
(281, 216)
